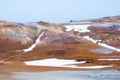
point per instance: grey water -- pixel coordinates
(68, 75)
(102, 50)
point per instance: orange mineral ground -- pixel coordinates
(93, 41)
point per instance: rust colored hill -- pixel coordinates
(55, 42)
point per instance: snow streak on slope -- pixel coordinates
(34, 45)
(53, 62)
(79, 28)
(110, 59)
(101, 44)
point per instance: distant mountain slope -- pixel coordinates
(109, 19)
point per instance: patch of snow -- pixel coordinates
(110, 59)
(33, 45)
(110, 47)
(79, 28)
(53, 62)
(90, 39)
(88, 67)
(101, 44)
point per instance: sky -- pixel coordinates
(58, 11)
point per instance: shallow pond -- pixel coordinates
(103, 50)
(68, 75)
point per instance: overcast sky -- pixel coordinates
(56, 10)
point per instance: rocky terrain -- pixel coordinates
(96, 41)
(55, 41)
